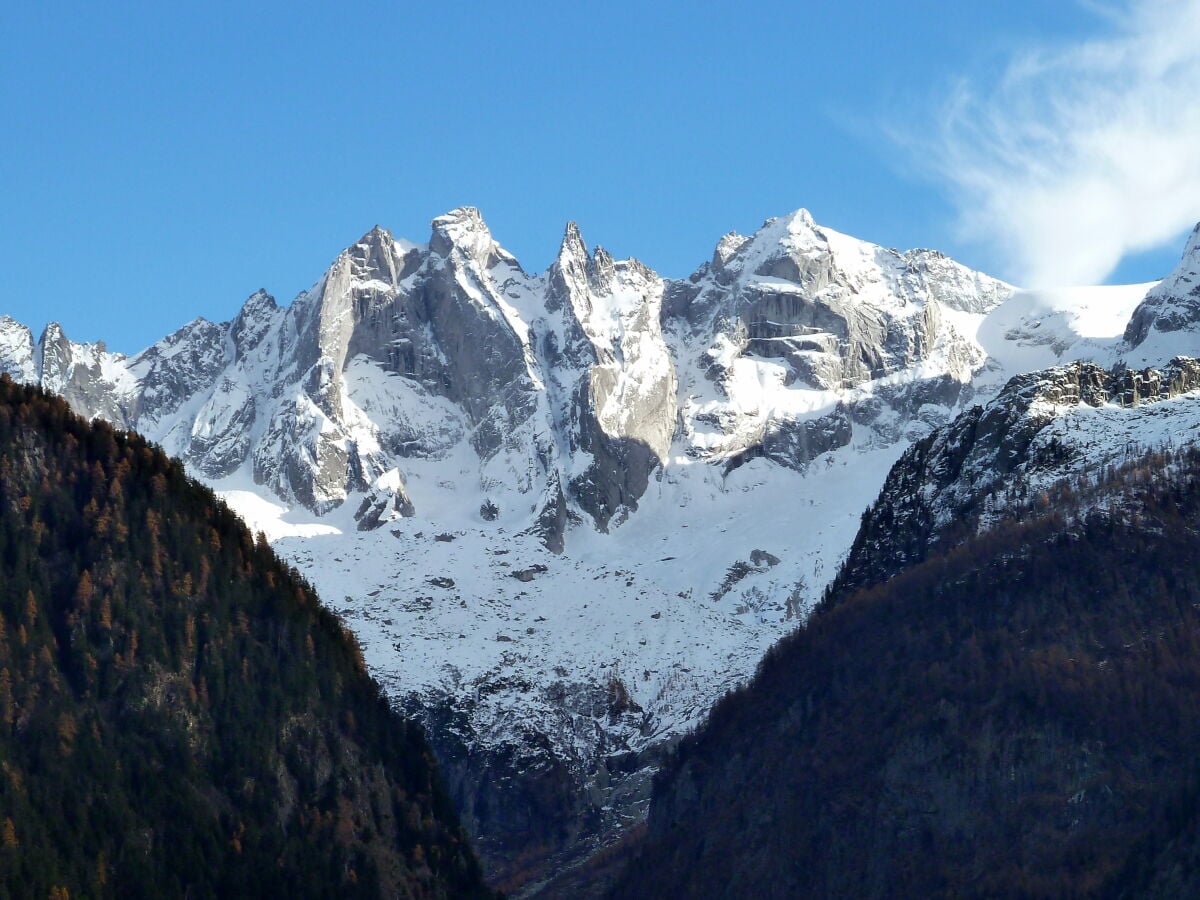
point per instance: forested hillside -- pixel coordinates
(179, 715)
(1019, 716)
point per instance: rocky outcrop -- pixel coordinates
(964, 474)
(180, 367)
(86, 375)
(611, 376)
(1173, 305)
(814, 310)
(444, 327)
(514, 798)
(222, 429)
(797, 442)
(386, 501)
(17, 351)
(841, 311)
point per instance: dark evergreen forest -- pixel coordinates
(179, 715)
(1016, 716)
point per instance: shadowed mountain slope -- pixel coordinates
(179, 716)
(1016, 716)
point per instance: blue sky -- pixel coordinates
(163, 161)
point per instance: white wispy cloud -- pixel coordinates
(1079, 155)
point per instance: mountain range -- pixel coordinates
(566, 512)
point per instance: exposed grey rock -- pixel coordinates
(530, 573)
(178, 368)
(384, 504)
(797, 291)
(564, 806)
(535, 373)
(840, 316)
(221, 432)
(253, 322)
(946, 485)
(75, 371)
(616, 398)
(17, 351)
(1174, 304)
(796, 443)
(763, 558)
(552, 520)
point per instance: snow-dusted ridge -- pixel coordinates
(565, 512)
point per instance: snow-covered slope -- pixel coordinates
(1165, 323)
(1038, 329)
(1046, 429)
(799, 340)
(567, 511)
(1132, 384)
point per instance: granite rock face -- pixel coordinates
(1174, 304)
(578, 382)
(614, 383)
(819, 311)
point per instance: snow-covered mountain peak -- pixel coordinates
(573, 260)
(576, 270)
(778, 238)
(609, 377)
(253, 320)
(462, 218)
(404, 352)
(795, 250)
(838, 312)
(53, 333)
(1165, 323)
(799, 222)
(376, 256)
(798, 250)
(726, 249)
(377, 235)
(464, 230)
(16, 350)
(572, 240)
(87, 375)
(257, 305)
(54, 344)
(1191, 251)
